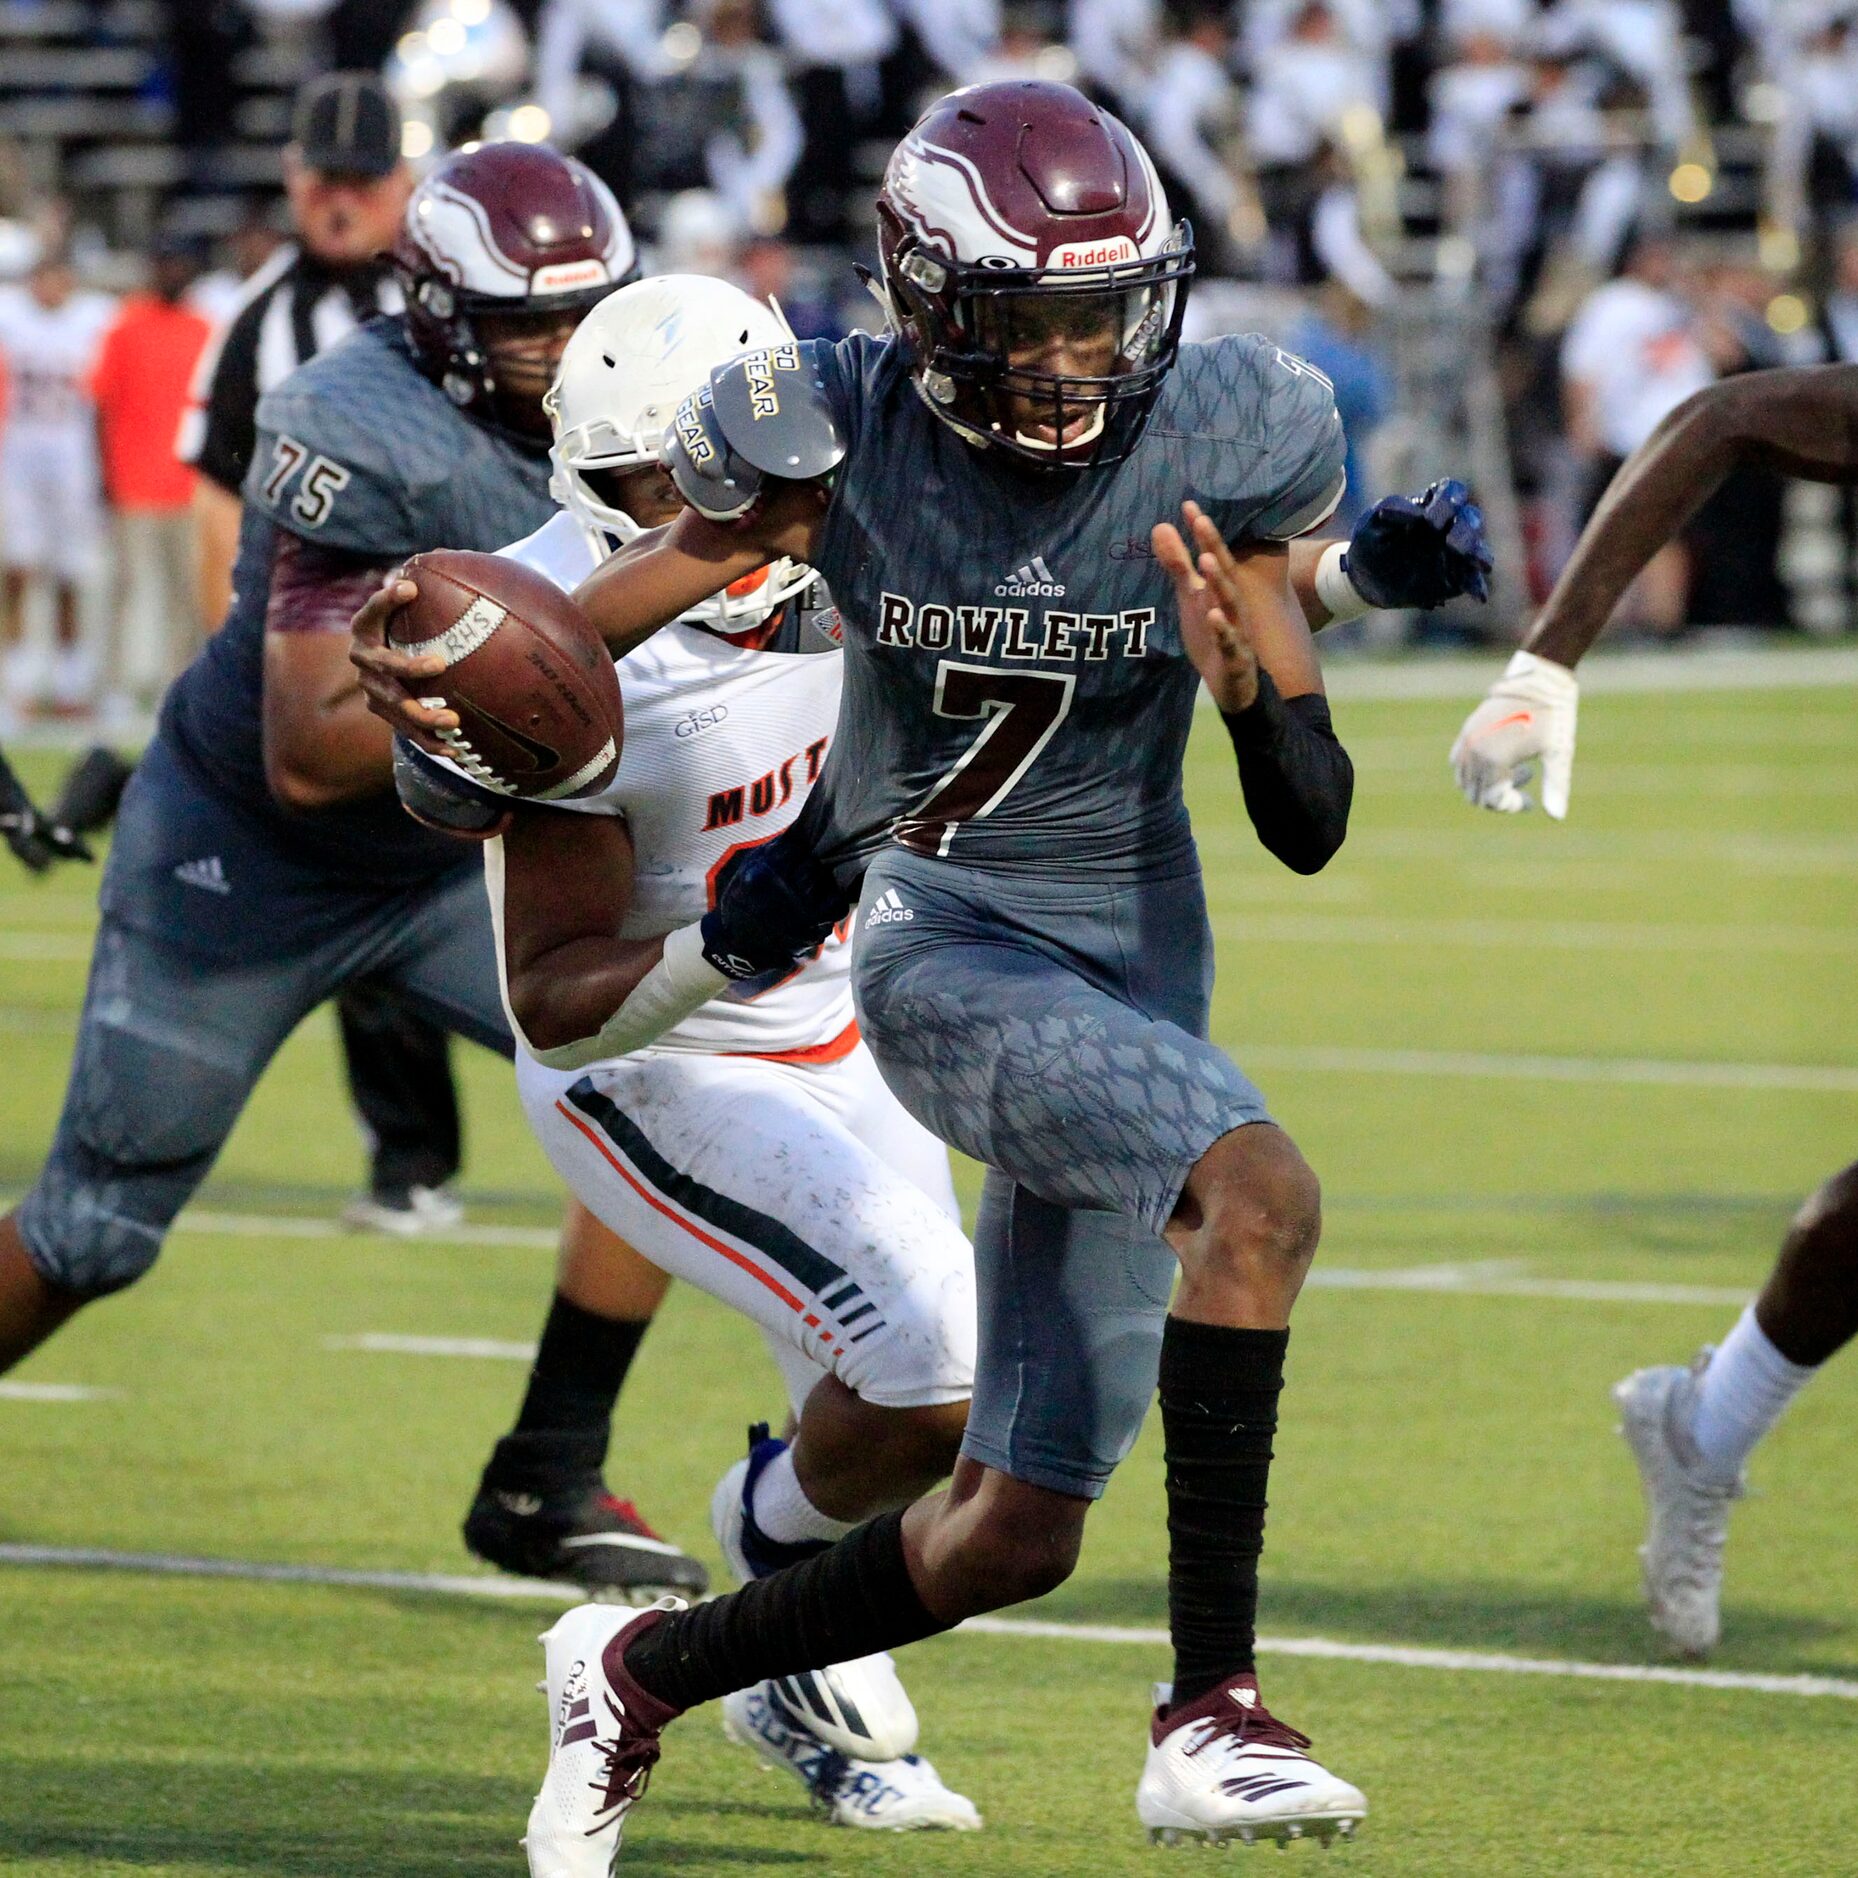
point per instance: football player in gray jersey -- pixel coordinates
(990, 493)
(261, 862)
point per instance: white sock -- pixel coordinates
(784, 1513)
(1741, 1395)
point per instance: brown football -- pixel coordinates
(539, 713)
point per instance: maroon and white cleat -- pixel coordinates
(1225, 1768)
(602, 1741)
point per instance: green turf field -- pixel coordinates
(1448, 1476)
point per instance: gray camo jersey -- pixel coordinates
(1016, 693)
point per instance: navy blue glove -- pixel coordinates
(1420, 551)
(36, 839)
(775, 903)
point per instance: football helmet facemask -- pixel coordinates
(1030, 267)
(501, 245)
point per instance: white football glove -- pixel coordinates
(1526, 717)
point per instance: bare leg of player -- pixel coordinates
(1692, 1429)
(30, 1309)
(542, 1507)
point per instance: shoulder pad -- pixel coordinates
(772, 409)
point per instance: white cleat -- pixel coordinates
(1225, 1771)
(1687, 1510)
(859, 1708)
(422, 1212)
(602, 1745)
(901, 1795)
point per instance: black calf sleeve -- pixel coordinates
(1219, 1390)
(853, 1599)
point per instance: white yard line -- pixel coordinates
(389, 1343)
(295, 1226)
(1402, 1656)
(1495, 1280)
(1628, 675)
(1509, 936)
(1474, 1662)
(25, 944)
(53, 1392)
(1803, 1078)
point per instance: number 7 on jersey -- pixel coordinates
(1021, 709)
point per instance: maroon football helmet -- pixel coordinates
(1030, 266)
(504, 235)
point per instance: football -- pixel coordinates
(534, 687)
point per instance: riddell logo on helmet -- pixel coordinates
(1094, 253)
(565, 276)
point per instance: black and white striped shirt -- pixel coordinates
(291, 309)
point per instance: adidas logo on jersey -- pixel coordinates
(887, 910)
(207, 873)
(1034, 578)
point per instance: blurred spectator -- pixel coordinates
(51, 511)
(1331, 243)
(726, 122)
(1735, 538)
(219, 293)
(1474, 100)
(769, 269)
(1334, 335)
(347, 184)
(1303, 85)
(1116, 43)
(834, 50)
(1643, 39)
(1311, 91)
(696, 235)
(1026, 50)
(620, 44)
(951, 38)
(1815, 160)
(1631, 355)
(143, 370)
(1838, 338)
(1189, 114)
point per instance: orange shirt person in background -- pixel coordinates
(140, 383)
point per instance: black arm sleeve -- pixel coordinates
(1297, 778)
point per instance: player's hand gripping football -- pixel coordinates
(392, 681)
(1207, 589)
(1527, 717)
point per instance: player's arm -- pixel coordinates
(1406, 552)
(216, 514)
(740, 516)
(1245, 632)
(561, 885)
(322, 747)
(1800, 422)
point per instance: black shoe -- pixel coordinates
(582, 1536)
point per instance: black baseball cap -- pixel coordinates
(347, 125)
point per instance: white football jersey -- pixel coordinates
(722, 745)
(49, 353)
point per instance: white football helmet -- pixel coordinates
(631, 362)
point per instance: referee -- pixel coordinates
(347, 186)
